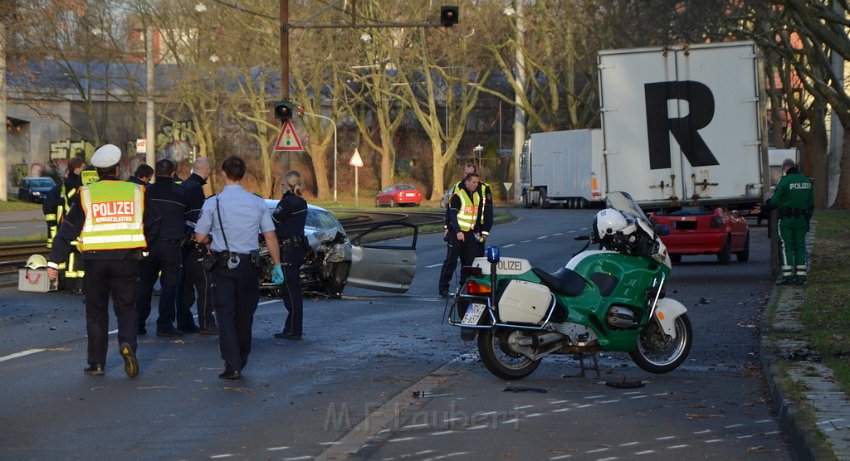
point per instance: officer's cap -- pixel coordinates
(106, 156)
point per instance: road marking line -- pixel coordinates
(523, 407)
(21, 354)
(433, 265)
(629, 444)
(5, 228)
(676, 447)
(268, 302)
(413, 426)
(328, 444)
(598, 450)
(702, 432)
(732, 425)
(745, 436)
(590, 397)
(479, 427)
(561, 457)
(560, 410)
(542, 237)
(226, 455)
(647, 452)
(534, 415)
(442, 433)
(713, 440)
(666, 437)
(402, 439)
(277, 448)
(510, 421)
(525, 241)
(558, 402)
(508, 245)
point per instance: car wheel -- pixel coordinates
(524, 197)
(335, 283)
(544, 202)
(377, 203)
(744, 255)
(392, 203)
(726, 252)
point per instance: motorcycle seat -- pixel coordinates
(564, 281)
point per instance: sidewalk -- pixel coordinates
(812, 409)
(21, 216)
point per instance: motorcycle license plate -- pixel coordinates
(473, 313)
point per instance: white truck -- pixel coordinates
(561, 167)
(684, 124)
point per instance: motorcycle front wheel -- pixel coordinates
(499, 358)
(658, 353)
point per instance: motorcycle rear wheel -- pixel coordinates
(500, 359)
(657, 353)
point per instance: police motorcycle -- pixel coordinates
(606, 299)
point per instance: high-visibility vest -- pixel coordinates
(470, 209)
(114, 211)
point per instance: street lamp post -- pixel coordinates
(333, 123)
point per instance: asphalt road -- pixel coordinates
(382, 377)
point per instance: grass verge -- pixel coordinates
(16, 205)
(826, 312)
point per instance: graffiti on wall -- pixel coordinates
(176, 141)
(63, 150)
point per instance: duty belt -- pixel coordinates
(785, 212)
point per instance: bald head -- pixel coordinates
(202, 167)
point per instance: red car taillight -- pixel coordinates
(716, 221)
(475, 288)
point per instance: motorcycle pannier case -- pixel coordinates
(524, 302)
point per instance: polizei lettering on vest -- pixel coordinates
(111, 212)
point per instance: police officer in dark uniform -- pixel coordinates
(169, 202)
(112, 221)
(194, 276)
(289, 218)
(234, 219)
(143, 174)
(453, 250)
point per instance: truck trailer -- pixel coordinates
(684, 124)
(561, 169)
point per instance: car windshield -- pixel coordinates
(405, 187)
(323, 220)
(41, 182)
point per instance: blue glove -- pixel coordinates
(277, 275)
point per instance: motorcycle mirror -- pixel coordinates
(493, 255)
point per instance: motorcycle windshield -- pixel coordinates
(624, 202)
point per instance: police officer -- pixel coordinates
(486, 223)
(112, 221)
(194, 276)
(289, 218)
(169, 202)
(143, 174)
(234, 219)
(55, 208)
(794, 199)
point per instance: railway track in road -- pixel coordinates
(13, 256)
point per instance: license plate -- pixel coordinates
(473, 313)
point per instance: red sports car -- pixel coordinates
(398, 194)
(699, 230)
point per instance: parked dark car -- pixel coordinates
(35, 189)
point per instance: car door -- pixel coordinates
(388, 263)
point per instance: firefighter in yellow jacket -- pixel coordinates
(111, 223)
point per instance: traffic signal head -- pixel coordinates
(449, 15)
(283, 111)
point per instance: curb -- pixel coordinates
(806, 442)
(810, 421)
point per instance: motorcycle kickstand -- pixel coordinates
(582, 367)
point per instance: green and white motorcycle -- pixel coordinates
(606, 299)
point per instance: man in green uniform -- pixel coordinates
(794, 199)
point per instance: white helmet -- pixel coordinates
(611, 222)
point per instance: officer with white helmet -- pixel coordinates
(112, 225)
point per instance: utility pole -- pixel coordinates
(284, 49)
(4, 152)
(519, 114)
(150, 148)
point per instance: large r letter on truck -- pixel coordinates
(684, 129)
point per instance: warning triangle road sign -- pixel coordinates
(288, 140)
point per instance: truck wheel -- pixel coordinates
(525, 202)
(726, 252)
(498, 356)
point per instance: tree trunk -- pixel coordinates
(842, 200)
